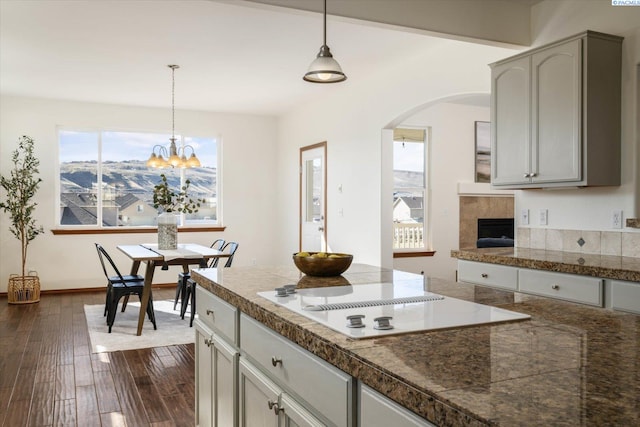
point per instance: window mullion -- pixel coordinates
(99, 183)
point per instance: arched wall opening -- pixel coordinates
(451, 120)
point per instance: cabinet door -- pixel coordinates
(225, 371)
(510, 126)
(258, 402)
(556, 113)
(295, 415)
(204, 389)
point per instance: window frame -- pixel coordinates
(426, 249)
(98, 228)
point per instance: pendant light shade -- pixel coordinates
(324, 69)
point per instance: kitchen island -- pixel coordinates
(569, 364)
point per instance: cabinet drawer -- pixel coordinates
(585, 290)
(625, 296)
(499, 276)
(217, 314)
(325, 387)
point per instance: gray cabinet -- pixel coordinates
(259, 397)
(578, 288)
(378, 410)
(216, 383)
(217, 356)
(326, 389)
(555, 114)
(625, 296)
(248, 375)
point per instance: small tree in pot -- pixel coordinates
(21, 186)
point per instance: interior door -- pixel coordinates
(313, 197)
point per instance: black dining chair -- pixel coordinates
(119, 286)
(230, 248)
(181, 287)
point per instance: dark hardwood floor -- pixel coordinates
(49, 377)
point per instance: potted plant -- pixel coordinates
(21, 186)
(169, 200)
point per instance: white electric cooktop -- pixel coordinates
(378, 309)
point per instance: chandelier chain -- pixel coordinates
(173, 100)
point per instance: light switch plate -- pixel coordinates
(544, 220)
(524, 217)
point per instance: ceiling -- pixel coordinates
(234, 56)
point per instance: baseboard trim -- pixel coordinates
(79, 290)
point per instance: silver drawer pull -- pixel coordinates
(275, 361)
(208, 342)
(274, 406)
(484, 275)
(527, 175)
(555, 287)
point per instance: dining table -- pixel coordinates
(185, 255)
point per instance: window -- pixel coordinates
(410, 189)
(104, 180)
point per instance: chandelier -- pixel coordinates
(175, 156)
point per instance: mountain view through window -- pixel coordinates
(104, 179)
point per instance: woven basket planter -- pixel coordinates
(24, 289)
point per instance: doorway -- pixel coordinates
(313, 197)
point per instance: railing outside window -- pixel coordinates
(408, 235)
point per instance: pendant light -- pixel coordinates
(176, 157)
(325, 69)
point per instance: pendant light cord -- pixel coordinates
(324, 35)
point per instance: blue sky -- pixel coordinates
(408, 158)
(121, 146)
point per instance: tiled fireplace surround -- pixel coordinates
(616, 243)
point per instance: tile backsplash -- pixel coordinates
(588, 242)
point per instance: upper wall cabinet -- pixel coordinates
(555, 114)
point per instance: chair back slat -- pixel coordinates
(102, 253)
(218, 244)
(230, 248)
(233, 247)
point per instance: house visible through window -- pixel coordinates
(410, 193)
(104, 180)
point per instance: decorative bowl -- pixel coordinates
(324, 265)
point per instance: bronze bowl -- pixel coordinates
(323, 267)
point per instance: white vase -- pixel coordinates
(167, 231)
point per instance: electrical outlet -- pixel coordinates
(544, 220)
(524, 217)
(616, 219)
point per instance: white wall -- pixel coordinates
(591, 208)
(452, 161)
(350, 118)
(69, 262)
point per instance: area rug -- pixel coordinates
(171, 328)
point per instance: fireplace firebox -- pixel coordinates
(495, 232)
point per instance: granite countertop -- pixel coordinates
(603, 266)
(569, 364)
